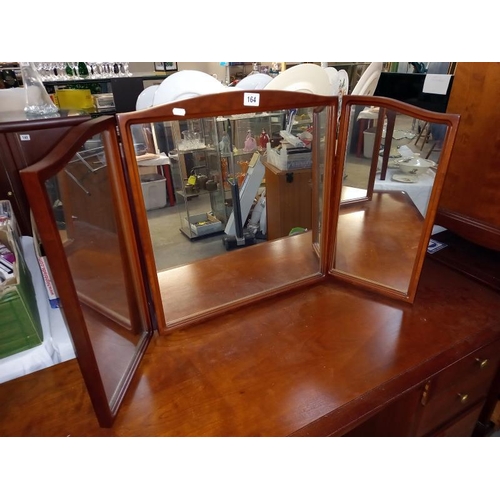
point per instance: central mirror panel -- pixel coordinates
(392, 159)
(230, 195)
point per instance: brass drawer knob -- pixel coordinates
(463, 398)
(482, 363)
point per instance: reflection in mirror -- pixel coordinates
(318, 179)
(390, 166)
(84, 207)
(229, 204)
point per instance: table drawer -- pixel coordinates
(452, 401)
(482, 363)
(463, 426)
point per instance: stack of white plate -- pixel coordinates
(186, 84)
(309, 78)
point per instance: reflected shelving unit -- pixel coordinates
(209, 154)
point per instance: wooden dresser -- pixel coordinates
(24, 141)
(328, 360)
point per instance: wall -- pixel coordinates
(207, 67)
(212, 68)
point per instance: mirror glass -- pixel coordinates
(390, 162)
(232, 204)
(84, 208)
(318, 178)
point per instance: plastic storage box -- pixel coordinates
(20, 327)
(74, 99)
(286, 161)
(204, 224)
(154, 191)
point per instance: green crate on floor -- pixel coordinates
(20, 326)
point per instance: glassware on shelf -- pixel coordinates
(68, 68)
(38, 101)
(191, 140)
(92, 69)
(125, 69)
(83, 70)
(59, 71)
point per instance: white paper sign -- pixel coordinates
(436, 84)
(251, 99)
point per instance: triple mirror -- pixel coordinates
(195, 208)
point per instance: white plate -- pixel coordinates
(393, 164)
(256, 81)
(406, 178)
(416, 162)
(309, 78)
(333, 76)
(343, 82)
(186, 84)
(145, 98)
(368, 82)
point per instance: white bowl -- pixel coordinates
(415, 164)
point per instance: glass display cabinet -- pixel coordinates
(195, 162)
(201, 164)
(103, 259)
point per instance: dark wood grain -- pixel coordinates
(316, 361)
(15, 154)
(469, 204)
(195, 290)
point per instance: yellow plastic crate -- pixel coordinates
(74, 99)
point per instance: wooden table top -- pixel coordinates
(312, 362)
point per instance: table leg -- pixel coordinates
(165, 171)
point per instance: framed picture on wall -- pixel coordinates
(165, 66)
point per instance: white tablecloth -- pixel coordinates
(57, 345)
(419, 192)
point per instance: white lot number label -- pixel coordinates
(251, 99)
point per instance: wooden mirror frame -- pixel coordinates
(232, 102)
(448, 119)
(34, 178)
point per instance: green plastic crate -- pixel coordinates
(20, 326)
